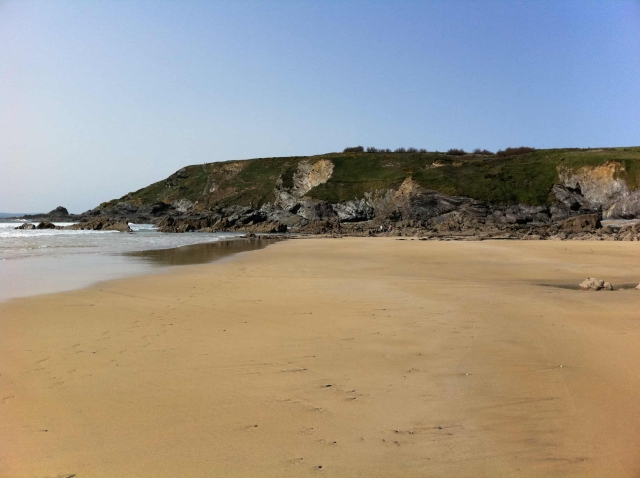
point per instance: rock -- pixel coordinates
(101, 224)
(59, 212)
(595, 284)
(323, 227)
(26, 225)
(579, 224)
(122, 226)
(354, 211)
(46, 225)
(637, 287)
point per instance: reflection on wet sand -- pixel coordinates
(200, 253)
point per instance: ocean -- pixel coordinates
(34, 262)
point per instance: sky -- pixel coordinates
(100, 98)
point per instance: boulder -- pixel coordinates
(579, 224)
(46, 225)
(592, 283)
(121, 226)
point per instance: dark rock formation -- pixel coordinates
(58, 212)
(46, 225)
(26, 225)
(101, 224)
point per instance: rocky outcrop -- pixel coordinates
(46, 225)
(354, 211)
(603, 187)
(310, 174)
(101, 224)
(232, 219)
(307, 176)
(59, 212)
(595, 284)
(26, 226)
(581, 224)
(552, 194)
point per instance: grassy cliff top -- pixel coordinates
(525, 178)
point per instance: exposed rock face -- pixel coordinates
(603, 187)
(356, 210)
(308, 175)
(183, 205)
(569, 202)
(595, 284)
(410, 208)
(598, 184)
(311, 174)
(231, 219)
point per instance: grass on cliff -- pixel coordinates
(525, 178)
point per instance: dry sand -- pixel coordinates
(368, 357)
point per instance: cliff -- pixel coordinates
(427, 190)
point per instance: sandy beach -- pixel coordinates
(338, 357)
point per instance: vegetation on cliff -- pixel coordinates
(525, 177)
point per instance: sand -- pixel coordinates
(367, 357)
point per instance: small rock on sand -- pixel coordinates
(595, 284)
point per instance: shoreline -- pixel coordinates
(366, 357)
(33, 276)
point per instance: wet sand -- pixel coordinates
(57, 273)
(366, 357)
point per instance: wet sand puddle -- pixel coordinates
(200, 253)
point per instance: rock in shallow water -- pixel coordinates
(26, 225)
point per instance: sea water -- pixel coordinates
(40, 261)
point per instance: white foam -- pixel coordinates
(22, 244)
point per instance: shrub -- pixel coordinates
(412, 150)
(481, 151)
(354, 149)
(371, 149)
(422, 150)
(514, 151)
(456, 152)
(400, 150)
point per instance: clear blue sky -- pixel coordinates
(99, 98)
